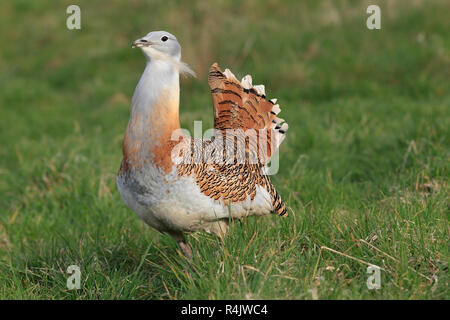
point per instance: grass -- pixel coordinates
(366, 156)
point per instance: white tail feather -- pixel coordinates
(247, 82)
(260, 89)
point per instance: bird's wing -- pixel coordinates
(240, 105)
(241, 113)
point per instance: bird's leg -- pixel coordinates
(220, 228)
(185, 248)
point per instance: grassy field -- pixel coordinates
(364, 168)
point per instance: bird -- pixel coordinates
(178, 184)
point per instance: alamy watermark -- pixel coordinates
(374, 20)
(374, 280)
(73, 22)
(74, 281)
(227, 147)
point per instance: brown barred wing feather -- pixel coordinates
(240, 105)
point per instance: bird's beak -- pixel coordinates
(141, 43)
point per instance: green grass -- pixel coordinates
(366, 156)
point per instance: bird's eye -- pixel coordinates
(164, 39)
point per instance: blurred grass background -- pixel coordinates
(366, 157)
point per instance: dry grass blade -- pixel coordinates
(392, 258)
(344, 255)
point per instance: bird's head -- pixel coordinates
(158, 44)
(163, 46)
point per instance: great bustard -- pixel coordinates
(178, 184)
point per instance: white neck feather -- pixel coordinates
(158, 76)
(154, 111)
(154, 107)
